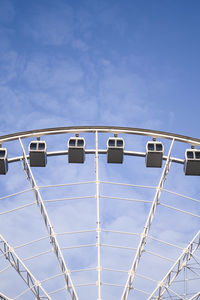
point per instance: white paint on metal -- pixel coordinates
(52, 235)
(4, 297)
(16, 262)
(144, 235)
(196, 296)
(179, 264)
(105, 129)
(98, 229)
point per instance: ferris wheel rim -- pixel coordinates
(110, 129)
(113, 130)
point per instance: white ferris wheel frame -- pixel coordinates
(17, 263)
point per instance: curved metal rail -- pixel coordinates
(100, 151)
(112, 129)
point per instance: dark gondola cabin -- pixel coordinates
(38, 153)
(3, 161)
(154, 154)
(115, 150)
(76, 150)
(192, 162)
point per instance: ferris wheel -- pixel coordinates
(99, 212)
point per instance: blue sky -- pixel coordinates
(129, 63)
(126, 63)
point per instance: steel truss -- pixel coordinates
(4, 297)
(196, 296)
(147, 226)
(14, 260)
(52, 235)
(181, 262)
(176, 268)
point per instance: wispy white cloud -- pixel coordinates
(78, 64)
(53, 26)
(10, 66)
(47, 73)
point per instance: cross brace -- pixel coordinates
(180, 263)
(34, 285)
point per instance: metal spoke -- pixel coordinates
(180, 263)
(64, 184)
(147, 226)
(52, 235)
(69, 199)
(15, 261)
(125, 199)
(98, 229)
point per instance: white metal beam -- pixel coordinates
(105, 129)
(147, 226)
(180, 263)
(52, 235)
(98, 229)
(16, 262)
(195, 297)
(4, 297)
